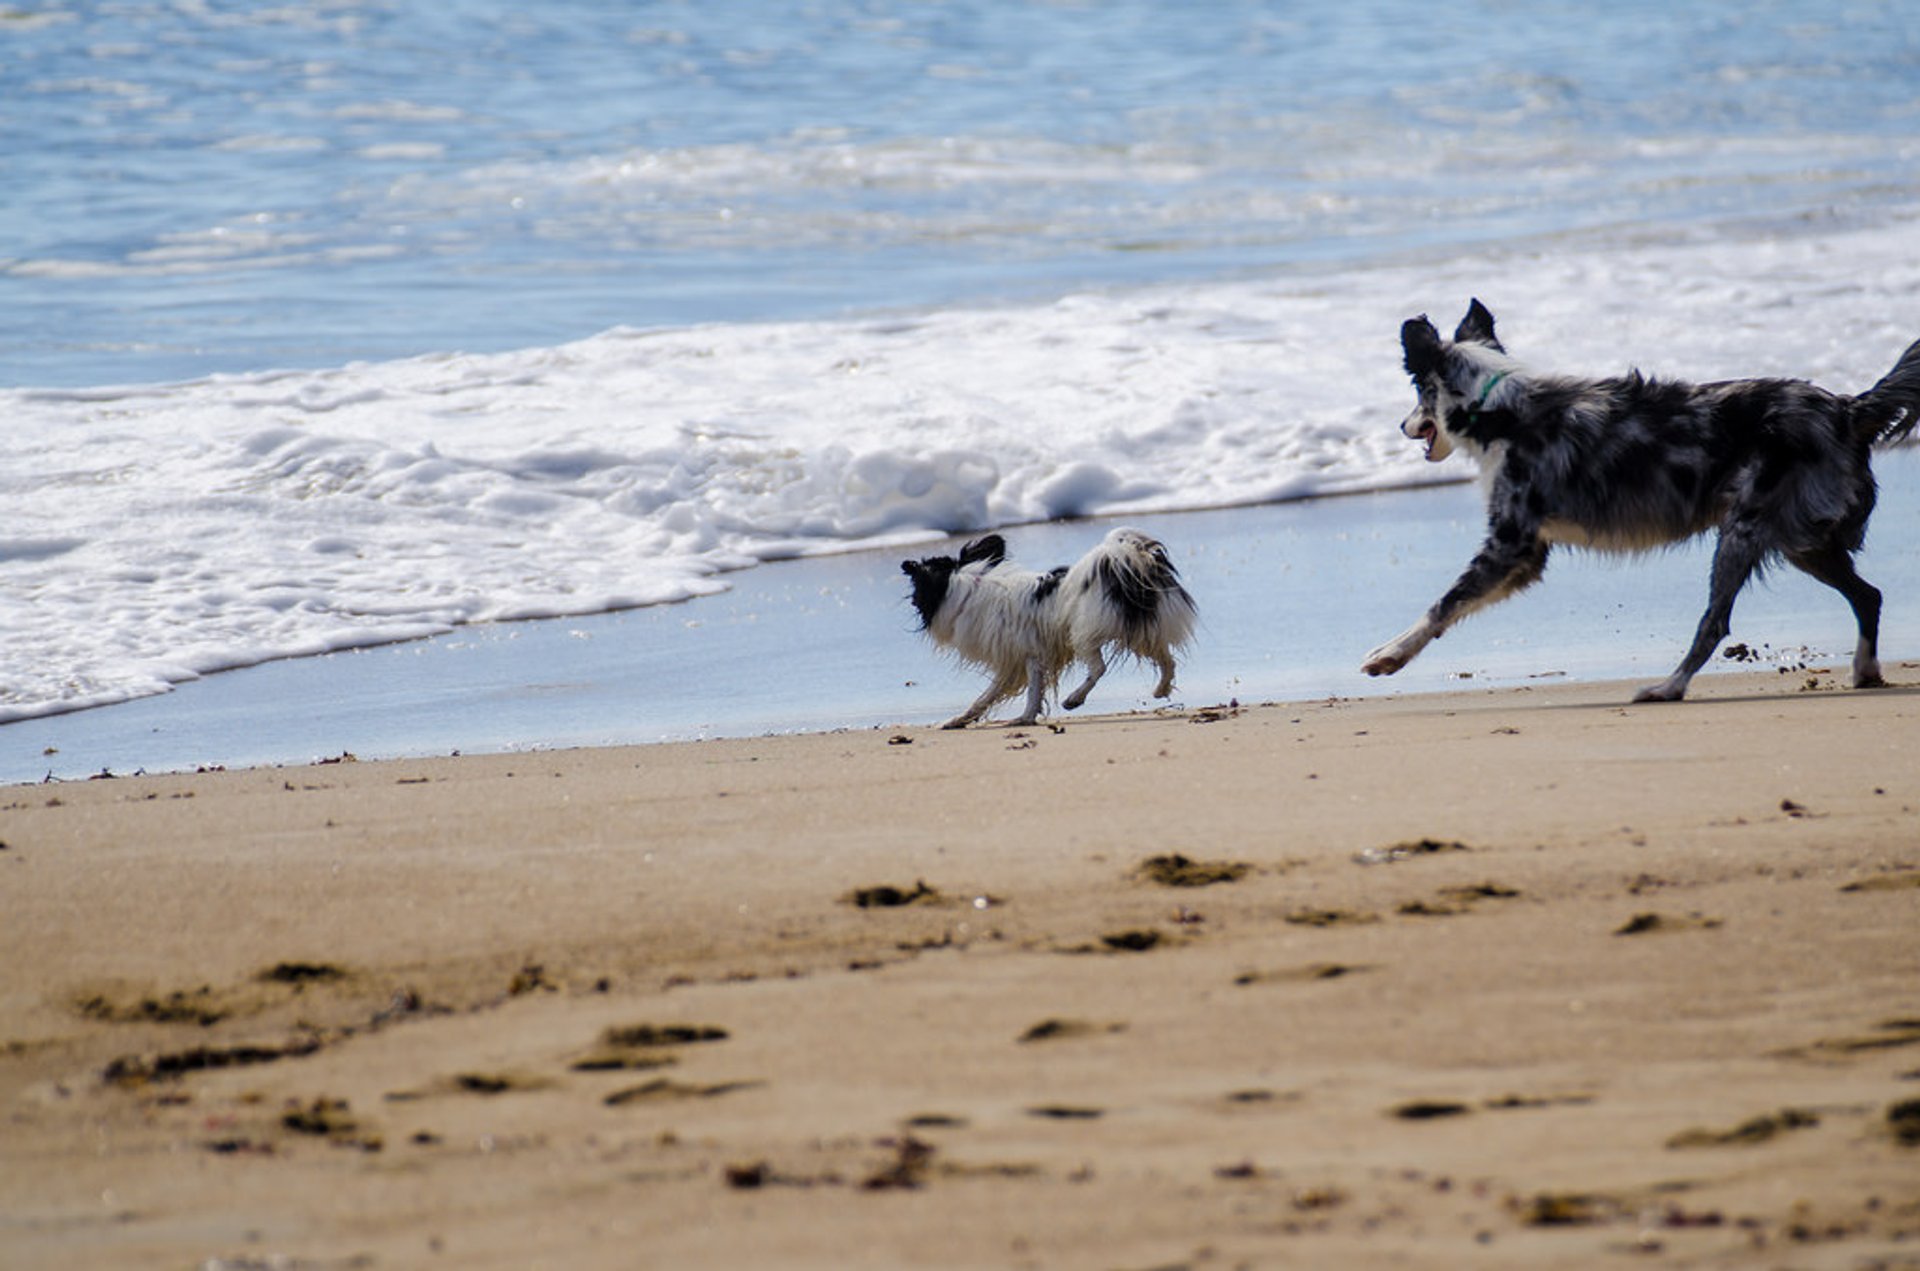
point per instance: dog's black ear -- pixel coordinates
(1421, 340)
(1477, 327)
(991, 547)
(911, 568)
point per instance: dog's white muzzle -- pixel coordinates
(1421, 427)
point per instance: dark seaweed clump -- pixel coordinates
(1429, 1110)
(196, 1006)
(1903, 1119)
(302, 973)
(1061, 1029)
(886, 896)
(1644, 924)
(1566, 1209)
(1758, 1129)
(662, 1035)
(132, 1070)
(1328, 917)
(1176, 870)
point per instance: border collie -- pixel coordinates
(1778, 467)
(1025, 628)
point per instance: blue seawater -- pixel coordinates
(339, 324)
(217, 186)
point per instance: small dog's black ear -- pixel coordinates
(911, 568)
(991, 547)
(1477, 327)
(1421, 340)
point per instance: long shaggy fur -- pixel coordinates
(1779, 468)
(1024, 629)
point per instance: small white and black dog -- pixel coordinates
(1025, 628)
(1779, 467)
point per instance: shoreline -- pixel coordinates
(1291, 596)
(1520, 976)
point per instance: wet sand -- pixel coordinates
(1518, 977)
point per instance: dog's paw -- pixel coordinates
(1381, 662)
(1074, 702)
(1402, 649)
(1392, 655)
(1661, 693)
(957, 723)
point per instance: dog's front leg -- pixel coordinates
(1036, 691)
(999, 690)
(1513, 557)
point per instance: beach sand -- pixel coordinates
(1515, 978)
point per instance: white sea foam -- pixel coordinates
(160, 532)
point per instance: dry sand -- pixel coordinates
(1502, 978)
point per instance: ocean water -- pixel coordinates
(332, 326)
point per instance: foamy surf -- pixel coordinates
(160, 532)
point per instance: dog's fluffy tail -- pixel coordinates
(1142, 588)
(1888, 411)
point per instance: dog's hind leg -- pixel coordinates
(1163, 659)
(1832, 564)
(1096, 667)
(1738, 553)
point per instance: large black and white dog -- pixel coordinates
(1026, 628)
(1778, 467)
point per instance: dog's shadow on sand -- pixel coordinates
(1057, 724)
(1889, 689)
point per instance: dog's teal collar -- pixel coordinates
(1486, 391)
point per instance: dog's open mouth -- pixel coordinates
(1428, 437)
